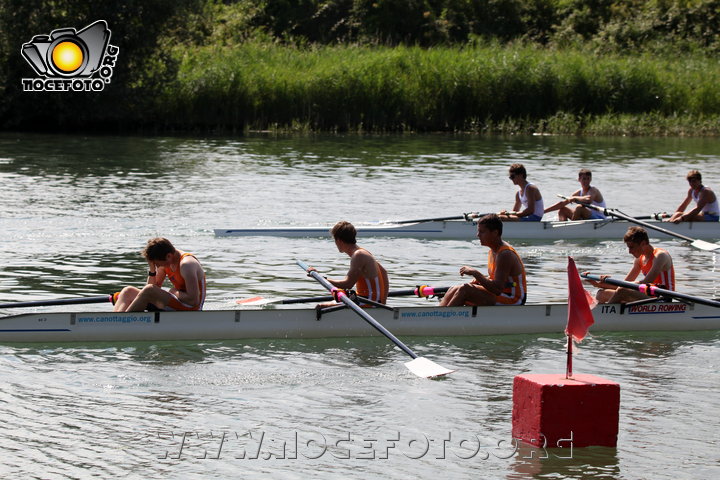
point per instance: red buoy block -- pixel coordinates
(552, 411)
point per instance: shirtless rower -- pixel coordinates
(165, 261)
(369, 278)
(506, 282)
(528, 196)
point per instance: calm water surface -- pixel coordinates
(75, 212)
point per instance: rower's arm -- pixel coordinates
(685, 202)
(518, 204)
(159, 277)
(504, 263)
(593, 195)
(357, 262)
(634, 271)
(705, 197)
(191, 294)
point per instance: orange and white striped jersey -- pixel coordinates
(666, 278)
(515, 291)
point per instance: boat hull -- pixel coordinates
(299, 323)
(460, 229)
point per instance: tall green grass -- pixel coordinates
(260, 86)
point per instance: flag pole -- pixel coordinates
(568, 370)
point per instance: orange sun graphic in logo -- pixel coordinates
(67, 56)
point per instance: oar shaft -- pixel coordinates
(424, 291)
(61, 301)
(652, 290)
(344, 298)
(615, 213)
(322, 298)
(464, 216)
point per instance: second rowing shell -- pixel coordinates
(461, 229)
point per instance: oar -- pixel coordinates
(652, 290)
(701, 244)
(464, 216)
(421, 291)
(422, 367)
(61, 301)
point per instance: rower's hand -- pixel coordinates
(465, 270)
(595, 283)
(311, 269)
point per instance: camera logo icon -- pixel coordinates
(71, 60)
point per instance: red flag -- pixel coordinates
(579, 303)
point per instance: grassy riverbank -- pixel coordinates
(600, 67)
(503, 89)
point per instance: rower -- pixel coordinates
(165, 261)
(506, 282)
(366, 274)
(706, 209)
(655, 263)
(528, 196)
(587, 195)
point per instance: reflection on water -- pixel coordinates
(578, 463)
(77, 210)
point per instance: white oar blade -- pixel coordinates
(703, 245)
(422, 367)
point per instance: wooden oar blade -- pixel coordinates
(703, 245)
(423, 367)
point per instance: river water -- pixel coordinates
(76, 210)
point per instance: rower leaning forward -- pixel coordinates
(165, 261)
(654, 263)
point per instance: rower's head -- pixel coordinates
(158, 249)
(517, 172)
(585, 176)
(636, 239)
(344, 233)
(694, 178)
(489, 229)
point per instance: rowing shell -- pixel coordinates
(302, 323)
(462, 229)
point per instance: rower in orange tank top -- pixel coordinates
(506, 282)
(375, 289)
(654, 263)
(515, 291)
(666, 278)
(178, 282)
(182, 269)
(366, 275)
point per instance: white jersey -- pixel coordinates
(539, 205)
(595, 213)
(709, 208)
